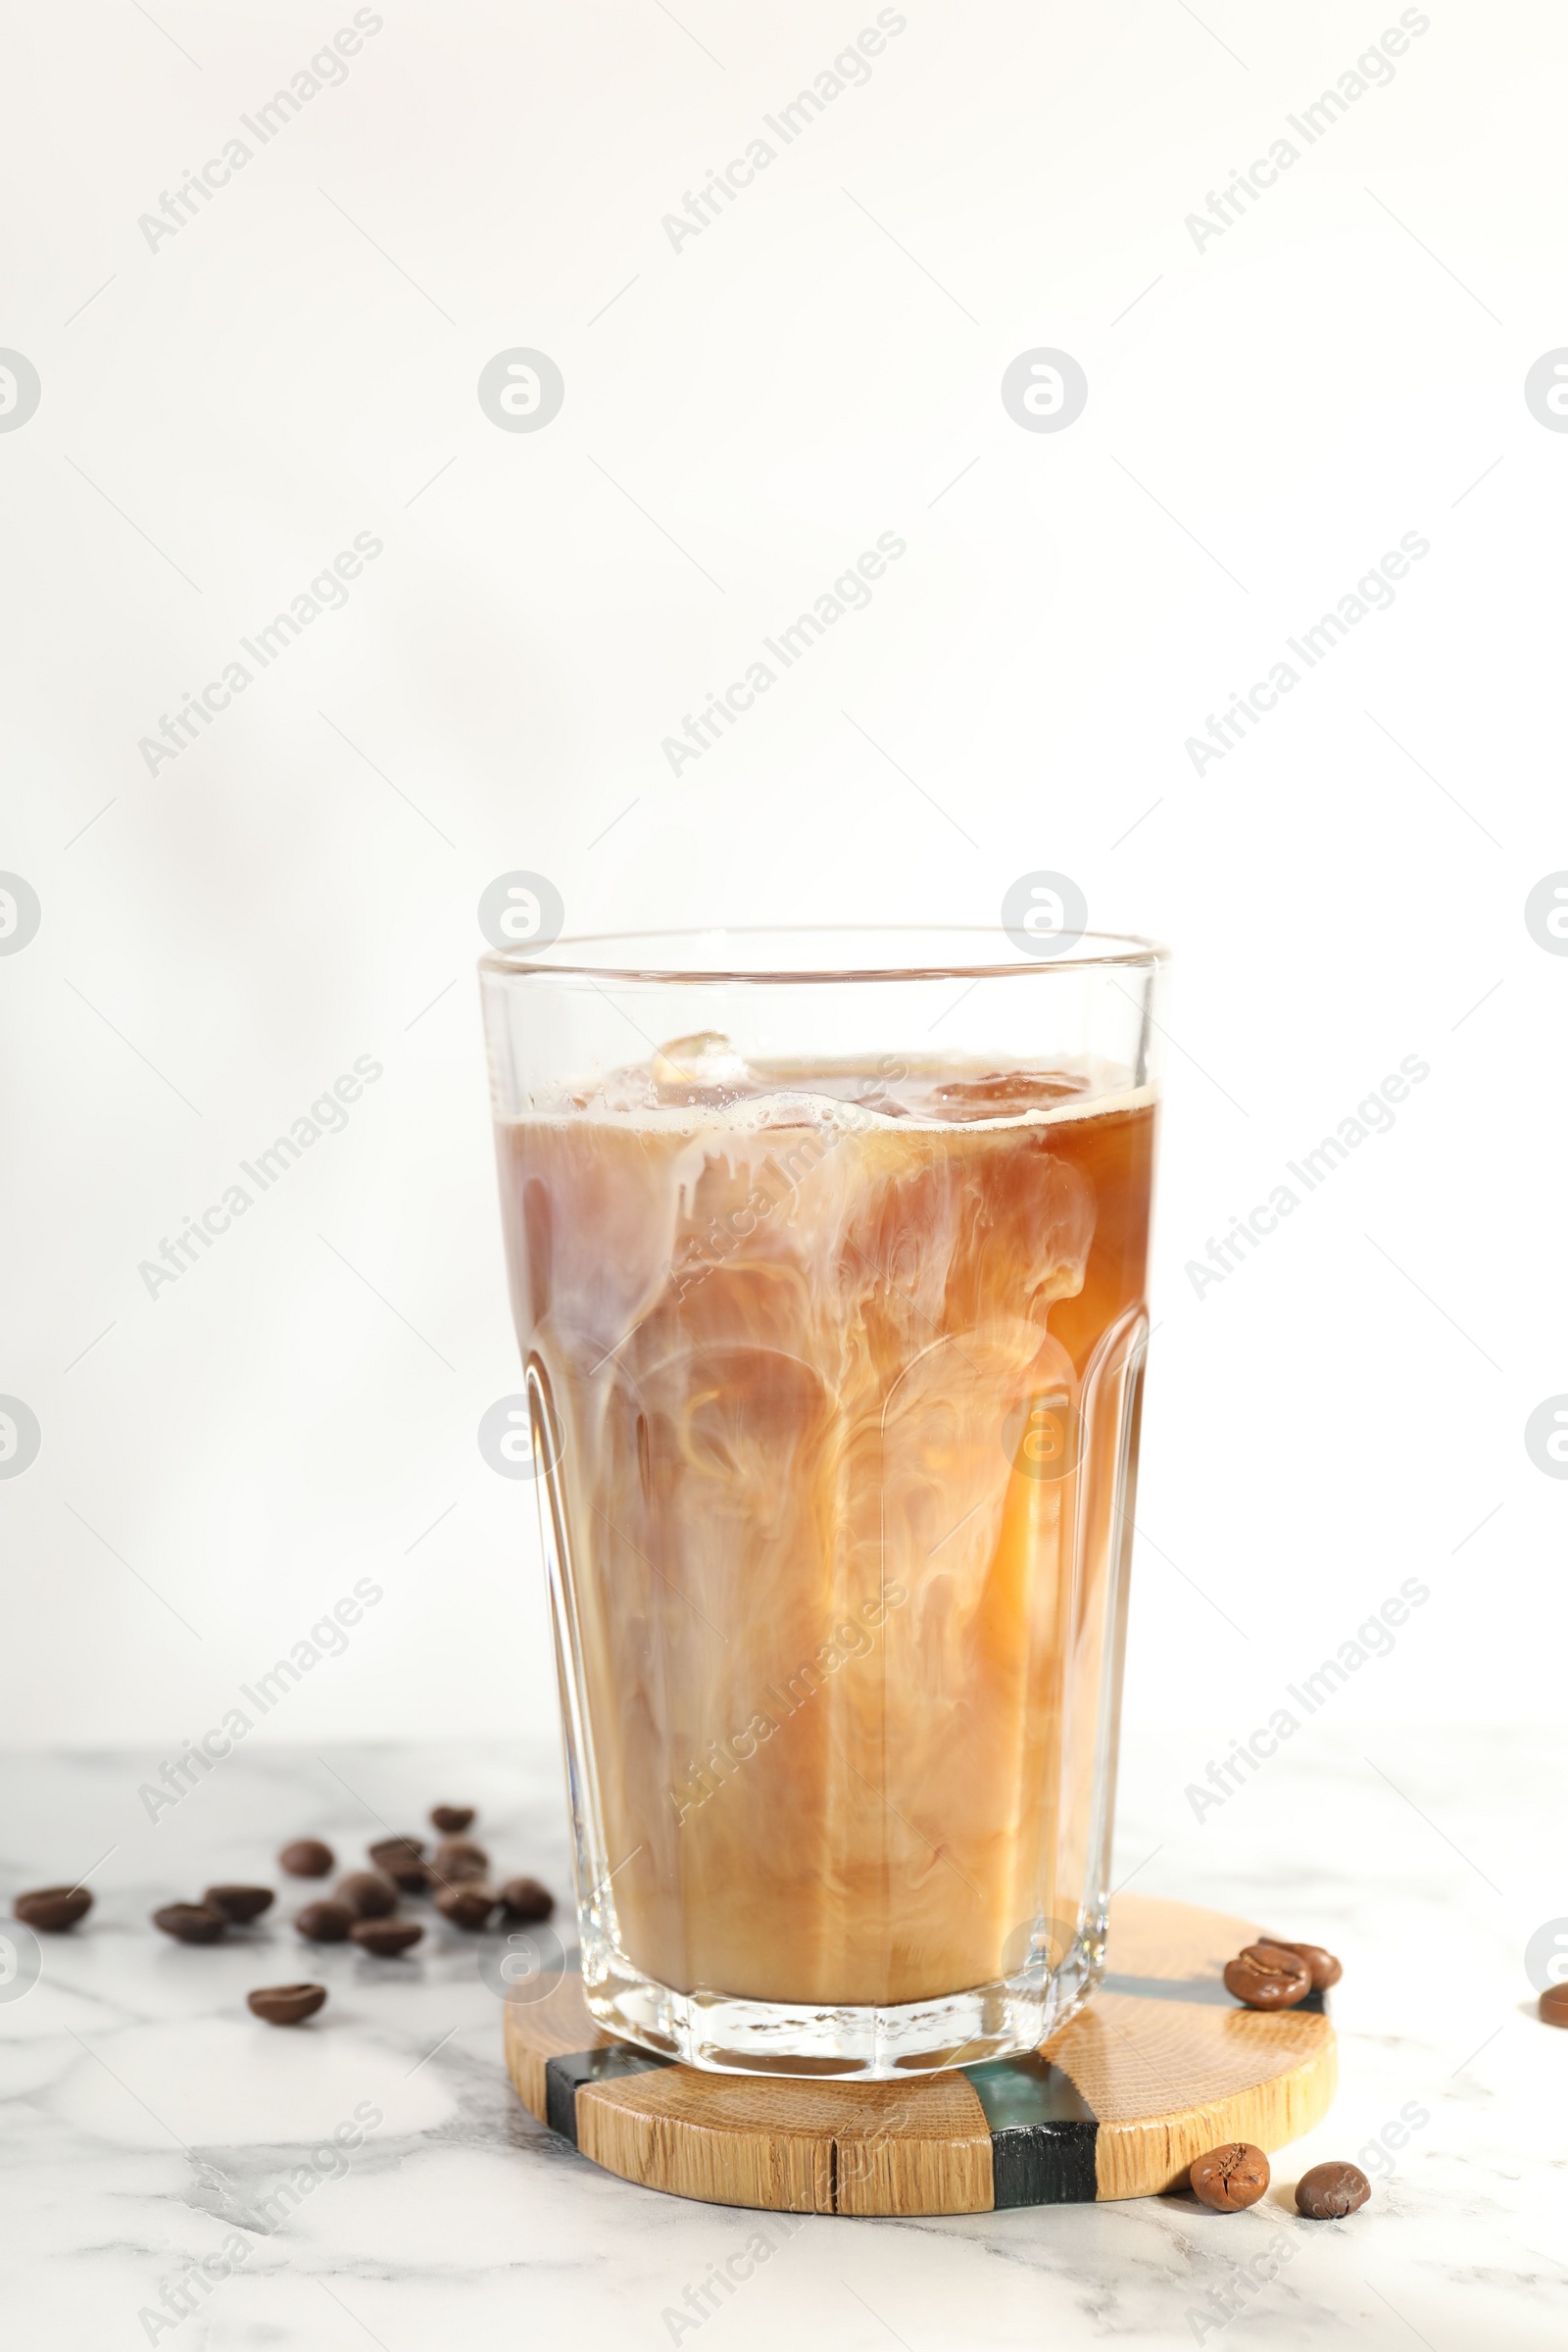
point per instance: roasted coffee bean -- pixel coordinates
(402, 1860)
(1553, 2006)
(525, 1899)
(239, 1904)
(52, 1909)
(457, 1859)
(1326, 1970)
(451, 1820)
(369, 1893)
(325, 1922)
(1230, 2179)
(386, 1937)
(1265, 1975)
(1329, 2191)
(305, 1858)
(190, 1923)
(466, 1905)
(285, 2004)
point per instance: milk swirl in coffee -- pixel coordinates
(841, 1370)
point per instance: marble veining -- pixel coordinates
(370, 2179)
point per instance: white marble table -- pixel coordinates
(149, 2121)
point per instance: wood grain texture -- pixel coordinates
(1171, 2065)
(1161, 2065)
(1167, 2081)
(801, 2147)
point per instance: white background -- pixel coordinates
(1266, 416)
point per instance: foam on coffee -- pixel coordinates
(696, 1083)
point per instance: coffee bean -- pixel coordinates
(1230, 2179)
(402, 1860)
(527, 1899)
(1326, 1970)
(1329, 2191)
(451, 1820)
(285, 2004)
(1551, 2008)
(466, 1905)
(305, 1858)
(190, 1923)
(458, 1858)
(239, 1904)
(386, 1937)
(52, 1909)
(1265, 1975)
(369, 1893)
(396, 1849)
(325, 1922)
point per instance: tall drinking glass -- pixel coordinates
(827, 1257)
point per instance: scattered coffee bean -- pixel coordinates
(466, 1905)
(239, 1904)
(386, 1937)
(458, 1858)
(305, 1858)
(1265, 1975)
(451, 1820)
(1230, 2179)
(402, 1860)
(525, 1899)
(369, 1893)
(325, 1922)
(1326, 1970)
(1553, 2006)
(1329, 2191)
(52, 1909)
(190, 1923)
(285, 2004)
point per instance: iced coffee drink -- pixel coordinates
(835, 1364)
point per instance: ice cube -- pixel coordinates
(701, 1067)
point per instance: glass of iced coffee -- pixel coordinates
(827, 1257)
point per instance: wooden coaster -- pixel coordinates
(1161, 2065)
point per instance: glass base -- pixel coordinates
(725, 2034)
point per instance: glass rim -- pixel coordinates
(1124, 950)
